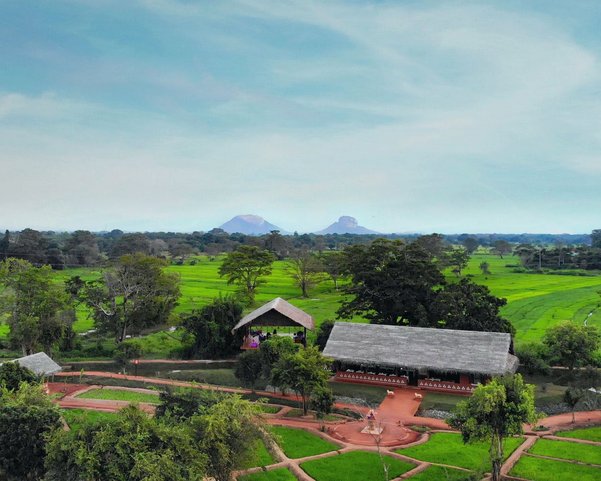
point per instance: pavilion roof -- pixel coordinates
(446, 350)
(277, 312)
(40, 364)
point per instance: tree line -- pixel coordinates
(85, 248)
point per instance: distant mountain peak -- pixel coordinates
(248, 224)
(346, 225)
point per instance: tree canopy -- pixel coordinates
(391, 283)
(304, 372)
(247, 266)
(134, 446)
(465, 305)
(572, 345)
(136, 294)
(12, 375)
(211, 327)
(27, 416)
(494, 412)
(36, 306)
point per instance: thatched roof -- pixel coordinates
(277, 313)
(446, 350)
(40, 364)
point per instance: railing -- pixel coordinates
(372, 377)
(445, 386)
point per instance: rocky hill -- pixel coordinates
(249, 224)
(346, 225)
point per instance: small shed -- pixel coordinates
(276, 313)
(40, 364)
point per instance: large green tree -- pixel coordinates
(211, 326)
(391, 283)
(12, 375)
(249, 368)
(227, 432)
(572, 345)
(31, 245)
(273, 349)
(494, 412)
(137, 293)
(467, 306)
(133, 447)
(305, 268)
(332, 265)
(247, 266)
(81, 248)
(27, 416)
(304, 372)
(37, 307)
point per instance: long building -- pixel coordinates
(445, 360)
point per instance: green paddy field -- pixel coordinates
(534, 301)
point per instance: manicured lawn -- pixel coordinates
(355, 466)
(260, 456)
(448, 448)
(537, 469)
(584, 453)
(265, 408)
(298, 413)
(439, 473)
(120, 395)
(442, 401)
(298, 443)
(590, 434)
(369, 394)
(280, 474)
(75, 418)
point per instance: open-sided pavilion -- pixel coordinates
(444, 360)
(275, 314)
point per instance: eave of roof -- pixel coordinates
(295, 315)
(40, 364)
(422, 348)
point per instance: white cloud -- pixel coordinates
(433, 117)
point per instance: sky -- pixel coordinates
(412, 116)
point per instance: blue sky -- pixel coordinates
(409, 115)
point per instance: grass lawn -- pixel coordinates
(280, 474)
(355, 466)
(537, 469)
(590, 434)
(370, 394)
(441, 401)
(439, 473)
(298, 443)
(75, 418)
(448, 448)
(267, 409)
(260, 456)
(584, 453)
(220, 377)
(120, 395)
(298, 413)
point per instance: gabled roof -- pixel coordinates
(40, 364)
(422, 348)
(277, 313)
